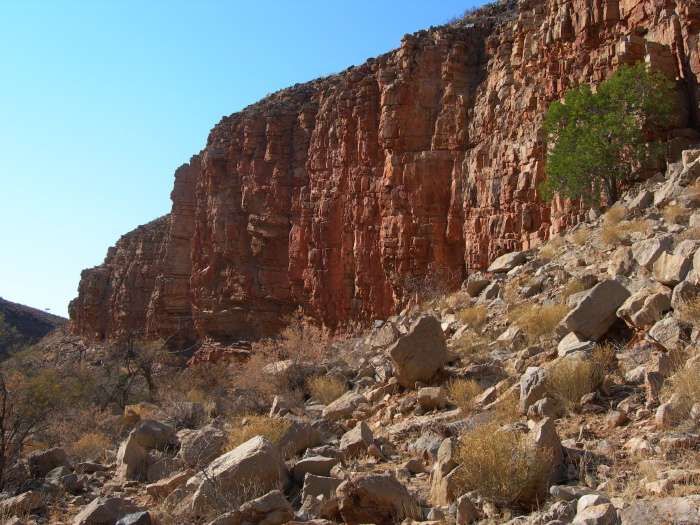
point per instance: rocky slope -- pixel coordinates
(23, 326)
(586, 349)
(426, 159)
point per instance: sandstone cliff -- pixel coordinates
(425, 159)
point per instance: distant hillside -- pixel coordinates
(21, 325)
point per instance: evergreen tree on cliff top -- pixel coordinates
(597, 139)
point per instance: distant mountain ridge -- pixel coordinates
(29, 323)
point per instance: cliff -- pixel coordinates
(424, 160)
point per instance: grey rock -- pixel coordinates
(596, 313)
(420, 353)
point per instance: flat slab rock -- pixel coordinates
(678, 511)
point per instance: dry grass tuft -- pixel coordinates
(326, 389)
(462, 393)
(91, 447)
(569, 380)
(614, 233)
(579, 237)
(615, 214)
(499, 464)
(689, 311)
(475, 317)
(674, 214)
(247, 428)
(572, 287)
(536, 320)
(685, 383)
(552, 248)
(472, 349)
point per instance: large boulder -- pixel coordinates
(104, 511)
(596, 313)
(200, 447)
(299, 436)
(357, 440)
(315, 465)
(375, 498)
(533, 387)
(671, 269)
(147, 435)
(661, 512)
(344, 406)
(420, 353)
(253, 468)
(41, 462)
(507, 262)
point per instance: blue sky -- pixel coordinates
(100, 102)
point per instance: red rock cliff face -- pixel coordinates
(327, 194)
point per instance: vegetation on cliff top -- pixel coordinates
(599, 139)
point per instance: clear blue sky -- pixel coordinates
(100, 102)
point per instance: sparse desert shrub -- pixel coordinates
(246, 428)
(462, 393)
(91, 447)
(685, 383)
(499, 463)
(674, 214)
(615, 214)
(475, 317)
(552, 248)
(579, 237)
(537, 320)
(473, 349)
(326, 389)
(689, 311)
(572, 287)
(614, 233)
(569, 380)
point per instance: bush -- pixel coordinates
(674, 214)
(614, 233)
(685, 383)
(689, 311)
(462, 393)
(246, 428)
(91, 447)
(597, 140)
(473, 349)
(499, 463)
(552, 248)
(568, 380)
(475, 317)
(537, 320)
(572, 287)
(326, 389)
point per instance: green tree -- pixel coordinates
(596, 140)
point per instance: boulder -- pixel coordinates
(533, 387)
(200, 447)
(41, 462)
(648, 251)
(375, 498)
(63, 478)
(22, 504)
(430, 398)
(669, 333)
(384, 336)
(603, 514)
(507, 262)
(147, 435)
(420, 353)
(671, 269)
(315, 486)
(683, 293)
(270, 509)
(104, 511)
(299, 436)
(137, 518)
(316, 465)
(344, 406)
(543, 436)
(643, 308)
(596, 313)
(161, 489)
(572, 343)
(357, 440)
(256, 466)
(661, 512)
(466, 510)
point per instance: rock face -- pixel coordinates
(426, 159)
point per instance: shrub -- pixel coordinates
(499, 463)
(579, 237)
(597, 140)
(552, 248)
(537, 320)
(91, 447)
(686, 384)
(475, 317)
(689, 311)
(462, 393)
(615, 214)
(572, 287)
(473, 349)
(569, 380)
(326, 389)
(247, 428)
(674, 214)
